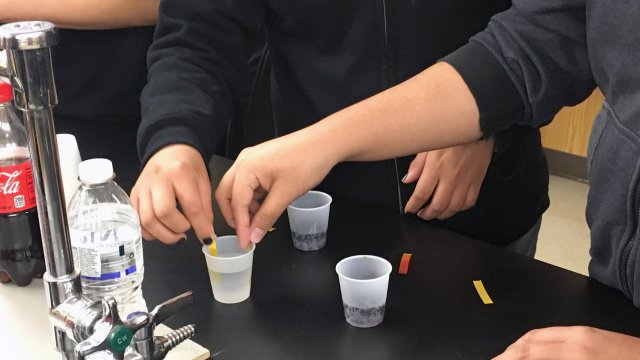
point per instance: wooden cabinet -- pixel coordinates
(569, 131)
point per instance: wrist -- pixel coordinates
(331, 141)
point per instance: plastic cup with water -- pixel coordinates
(230, 270)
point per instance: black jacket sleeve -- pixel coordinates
(197, 73)
(530, 61)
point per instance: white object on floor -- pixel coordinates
(564, 237)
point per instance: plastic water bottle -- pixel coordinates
(106, 238)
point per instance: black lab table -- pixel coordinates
(433, 312)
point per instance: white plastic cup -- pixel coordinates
(69, 159)
(364, 280)
(309, 220)
(230, 270)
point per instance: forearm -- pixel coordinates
(82, 14)
(434, 109)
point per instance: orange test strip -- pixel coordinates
(404, 263)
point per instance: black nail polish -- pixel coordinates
(207, 241)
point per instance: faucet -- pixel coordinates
(82, 325)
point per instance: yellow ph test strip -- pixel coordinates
(482, 292)
(213, 250)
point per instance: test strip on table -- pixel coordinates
(404, 263)
(482, 292)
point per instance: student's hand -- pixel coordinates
(575, 342)
(175, 175)
(283, 169)
(449, 180)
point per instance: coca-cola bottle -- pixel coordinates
(21, 255)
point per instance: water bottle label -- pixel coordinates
(106, 255)
(16, 188)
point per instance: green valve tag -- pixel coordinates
(119, 338)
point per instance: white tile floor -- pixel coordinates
(564, 236)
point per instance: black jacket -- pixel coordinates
(324, 56)
(99, 75)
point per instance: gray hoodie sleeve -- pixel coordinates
(529, 62)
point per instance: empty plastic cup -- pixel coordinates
(309, 220)
(230, 270)
(364, 280)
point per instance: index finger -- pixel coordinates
(223, 195)
(268, 213)
(241, 198)
(190, 197)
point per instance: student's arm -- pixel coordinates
(398, 121)
(531, 61)
(197, 75)
(82, 14)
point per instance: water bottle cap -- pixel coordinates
(6, 92)
(95, 171)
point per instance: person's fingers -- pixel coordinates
(147, 235)
(151, 225)
(204, 187)
(253, 207)
(415, 168)
(135, 200)
(541, 348)
(164, 207)
(268, 213)
(242, 195)
(546, 351)
(455, 205)
(191, 201)
(134, 197)
(472, 197)
(424, 190)
(145, 213)
(552, 334)
(223, 195)
(439, 201)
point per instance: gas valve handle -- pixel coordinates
(111, 333)
(171, 307)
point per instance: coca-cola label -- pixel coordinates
(16, 188)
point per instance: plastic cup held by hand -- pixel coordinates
(309, 220)
(230, 270)
(364, 280)
(69, 159)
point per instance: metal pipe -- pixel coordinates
(74, 316)
(28, 45)
(31, 74)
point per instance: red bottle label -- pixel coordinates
(16, 188)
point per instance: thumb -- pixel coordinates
(415, 168)
(268, 213)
